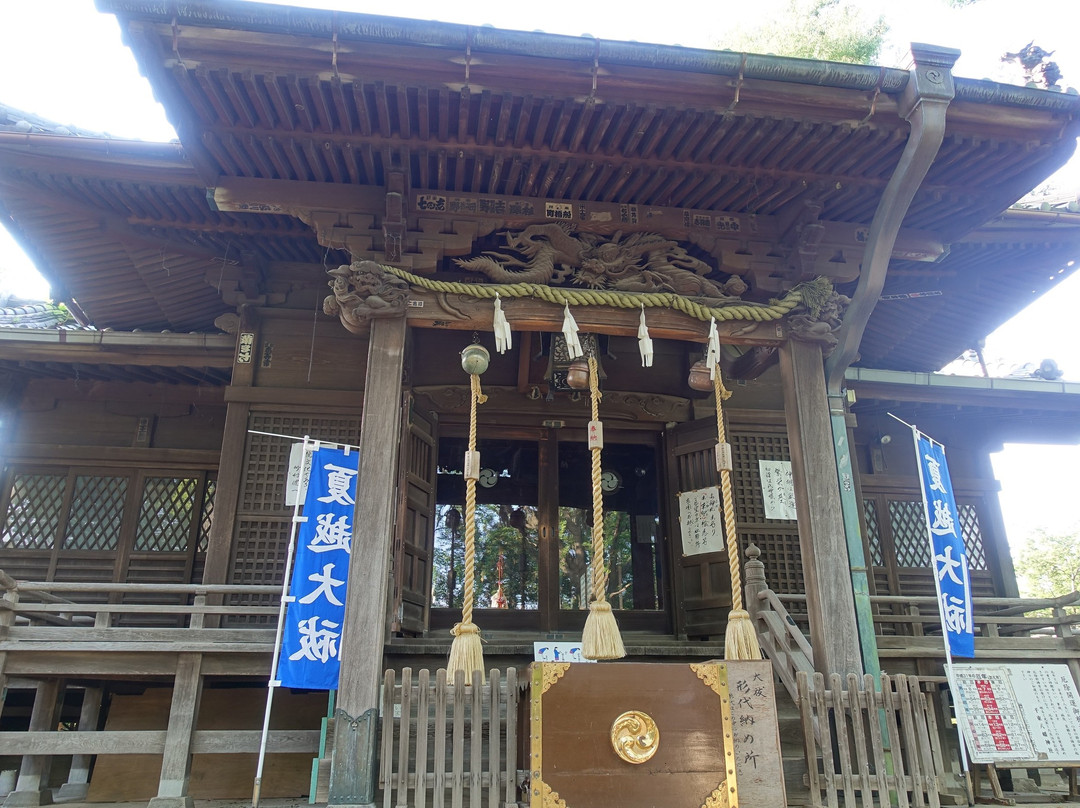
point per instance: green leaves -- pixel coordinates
(832, 30)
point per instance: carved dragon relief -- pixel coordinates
(364, 291)
(636, 262)
(549, 254)
(819, 316)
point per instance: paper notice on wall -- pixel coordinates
(777, 489)
(700, 520)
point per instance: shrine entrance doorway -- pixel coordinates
(533, 531)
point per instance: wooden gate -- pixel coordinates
(449, 744)
(863, 743)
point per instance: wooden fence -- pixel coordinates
(865, 747)
(446, 744)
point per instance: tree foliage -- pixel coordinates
(1049, 563)
(832, 30)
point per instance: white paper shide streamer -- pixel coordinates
(570, 331)
(712, 358)
(644, 341)
(503, 340)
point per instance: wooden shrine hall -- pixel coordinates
(353, 202)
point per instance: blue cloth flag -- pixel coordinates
(314, 618)
(948, 556)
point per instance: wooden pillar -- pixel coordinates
(176, 760)
(353, 774)
(10, 597)
(78, 782)
(32, 787)
(834, 634)
(231, 464)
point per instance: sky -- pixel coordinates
(62, 60)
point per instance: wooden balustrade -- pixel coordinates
(79, 605)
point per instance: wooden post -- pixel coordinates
(32, 787)
(219, 548)
(78, 782)
(830, 601)
(176, 761)
(353, 773)
(754, 577)
(10, 596)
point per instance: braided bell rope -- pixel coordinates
(758, 312)
(728, 497)
(477, 397)
(599, 570)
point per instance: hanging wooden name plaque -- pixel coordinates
(639, 735)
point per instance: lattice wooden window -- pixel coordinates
(873, 533)
(908, 522)
(34, 508)
(90, 514)
(207, 519)
(96, 513)
(778, 539)
(262, 531)
(973, 538)
(166, 513)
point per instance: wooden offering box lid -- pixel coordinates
(642, 735)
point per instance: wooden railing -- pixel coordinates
(778, 633)
(449, 743)
(909, 628)
(896, 615)
(35, 610)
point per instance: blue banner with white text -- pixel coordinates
(316, 613)
(948, 556)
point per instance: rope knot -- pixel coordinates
(463, 629)
(478, 394)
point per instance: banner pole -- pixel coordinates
(272, 684)
(957, 705)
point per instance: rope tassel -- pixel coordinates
(503, 340)
(645, 346)
(740, 638)
(601, 638)
(467, 652)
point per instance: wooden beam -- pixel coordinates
(337, 400)
(251, 195)
(96, 355)
(111, 456)
(152, 742)
(61, 660)
(830, 599)
(352, 777)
